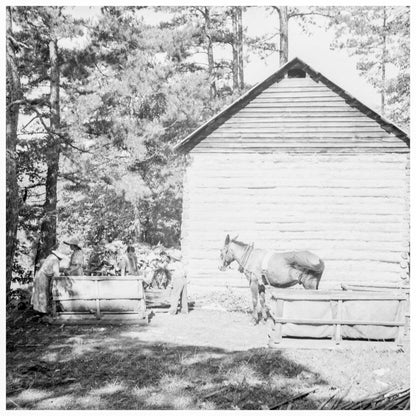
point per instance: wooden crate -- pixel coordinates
(108, 299)
(337, 315)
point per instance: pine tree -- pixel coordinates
(14, 97)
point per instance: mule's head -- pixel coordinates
(226, 255)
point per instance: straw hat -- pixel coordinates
(73, 242)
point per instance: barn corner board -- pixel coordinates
(298, 163)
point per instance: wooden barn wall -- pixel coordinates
(303, 173)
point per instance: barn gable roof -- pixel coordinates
(189, 142)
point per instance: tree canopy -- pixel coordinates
(104, 114)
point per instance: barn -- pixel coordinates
(298, 163)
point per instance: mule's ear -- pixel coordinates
(227, 239)
(235, 238)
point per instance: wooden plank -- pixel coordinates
(387, 159)
(106, 319)
(298, 117)
(293, 124)
(333, 133)
(276, 141)
(315, 191)
(289, 88)
(279, 311)
(62, 298)
(400, 316)
(318, 295)
(296, 146)
(97, 300)
(142, 300)
(273, 215)
(274, 103)
(275, 198)
(377, 285)
(272, 199)
(285, 123)
(375, 263)
(346, 253)
(297, 82)
(200, 230)
(312, 93)
(319, 170)
(380, 261)
(319, 91)
(303, 182)
(333, 307)
(318, 176)
(331, 275)
(294, 150)
(301, 110)
(307, 120)
(338, 322)
(101, 278)
(308, 134)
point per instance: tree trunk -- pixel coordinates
(234, 45)
(48, 228)
(284, 35)
(14, 93)
(383, 61)
(210, 53)
(240, 46)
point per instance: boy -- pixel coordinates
(178, 281)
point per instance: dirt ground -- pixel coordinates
(208, 359)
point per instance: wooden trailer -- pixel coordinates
(99, 299)
(298, 163)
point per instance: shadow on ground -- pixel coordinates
(200, 361)
(52, 367)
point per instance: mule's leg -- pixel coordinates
(264, 308)
(254, 287)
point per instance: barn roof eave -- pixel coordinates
(191, 140)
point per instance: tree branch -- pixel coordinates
(310, 14)
(67, 142)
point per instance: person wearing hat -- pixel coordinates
(128, 263)
(42, 283)
(76, 262)
(179, 295)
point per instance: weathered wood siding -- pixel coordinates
(298, 168)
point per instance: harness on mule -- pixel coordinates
(245, 258)
(264, 272)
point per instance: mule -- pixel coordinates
(266, 267)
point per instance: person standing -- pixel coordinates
(128, 263)
(179, 294)
(42, 283)
(76, 262)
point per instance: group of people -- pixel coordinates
(128, 265)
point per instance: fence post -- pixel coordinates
(97, 300)
(400, 319)
(338, 325)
